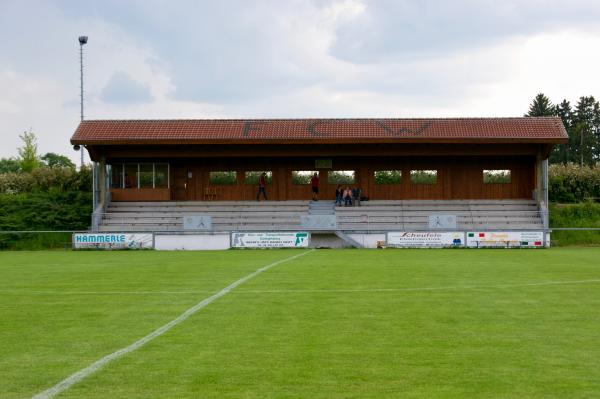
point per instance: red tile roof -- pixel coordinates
(236, 131)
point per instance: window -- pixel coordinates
(341, 177)
(131, 175)
(146, 175)
(388, 176)
(251, 177)
(161, 175)
(423, 176)
(302, 176)
(496, 176)
(116, 176)
(220, 178)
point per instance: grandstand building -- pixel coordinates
(486, 172)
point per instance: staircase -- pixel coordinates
(321, 208)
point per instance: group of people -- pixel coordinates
(350, 196)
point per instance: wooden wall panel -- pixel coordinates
(458, 177)
(140, 194)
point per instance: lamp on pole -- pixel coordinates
(82, 40)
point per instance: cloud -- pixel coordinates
(298, 58)
(122, 89)
(391, 30)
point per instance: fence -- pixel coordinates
(52, 239)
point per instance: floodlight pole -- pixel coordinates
(82, 41)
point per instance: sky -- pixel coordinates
(151, 59)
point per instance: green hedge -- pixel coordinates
(575, 215)
(572, 183)
(48, 198)
(42, 211)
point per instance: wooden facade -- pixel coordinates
(458, 150)
(457, 177)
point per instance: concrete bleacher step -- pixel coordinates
(285, 215)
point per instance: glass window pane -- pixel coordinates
(223, 177)
(131, 175)
(116, 176)
(423, 176)
(251, 177)
(302, 176)
(496, 176)
(341, 177)
(388, 176)
(161, 175)
(146, 175)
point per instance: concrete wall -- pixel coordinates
(368, 240)
(191, 242)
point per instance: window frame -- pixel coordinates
(423, 172)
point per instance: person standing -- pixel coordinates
(314, 183)
(356, 193)
(262, 186)
(339, 193)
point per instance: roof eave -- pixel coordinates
(450, 140)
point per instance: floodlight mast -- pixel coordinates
(82, 40)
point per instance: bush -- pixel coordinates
(572, 183)
(575, 215)
(48, 198)
(46, 179)
(388, 176)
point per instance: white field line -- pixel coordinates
(92, 368)
(456, 287)
(49, 292)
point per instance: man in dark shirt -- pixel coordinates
(356, 192)
(314, 183)
(262, 185)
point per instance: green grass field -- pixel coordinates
(329, 324)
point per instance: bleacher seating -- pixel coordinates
(411, 215)
(226, 215)
(401, 215)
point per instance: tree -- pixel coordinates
(55, 160)
(9, 165)
(28, 153)
(586, 129)
(562, 153)
(541, 106)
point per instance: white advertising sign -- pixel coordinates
(505, 239)
(270, 240)
(425, 239)
(113, 241)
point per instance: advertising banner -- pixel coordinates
(270, 240)
(432, 239)
(112, 241)
(505, 239)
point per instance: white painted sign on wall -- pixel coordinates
(425, 239)
(441, 222)
(270, 240)
(197, 222)
(481, 239)
(112, 241)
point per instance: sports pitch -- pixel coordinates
(328, 323)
